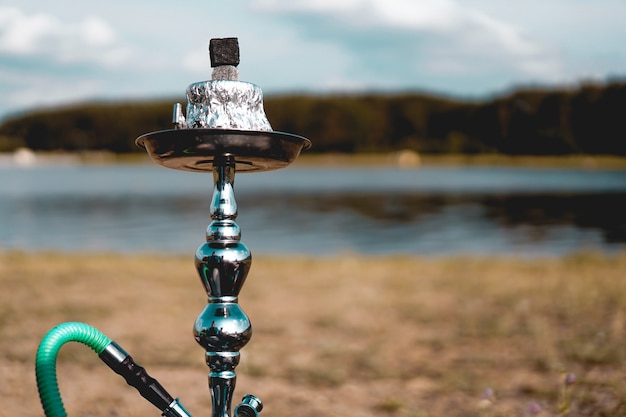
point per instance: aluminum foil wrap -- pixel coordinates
(226, 104)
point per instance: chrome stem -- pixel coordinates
(223, 263)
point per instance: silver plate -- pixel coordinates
(195, 149)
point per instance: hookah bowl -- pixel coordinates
(225, 131)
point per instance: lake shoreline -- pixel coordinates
(403, 159)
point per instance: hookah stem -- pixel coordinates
(110, 353)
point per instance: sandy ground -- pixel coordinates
(344, 336)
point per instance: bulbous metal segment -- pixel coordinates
(222, 328)
(223, 267)
(223, 230)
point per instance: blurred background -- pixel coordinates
(438, 127)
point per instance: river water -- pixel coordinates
(324, 211)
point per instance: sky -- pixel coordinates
(55, 53)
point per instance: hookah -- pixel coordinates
(225, 131)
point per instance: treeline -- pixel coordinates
(87, 127)
(590, 119)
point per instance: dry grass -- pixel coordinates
(345, 336)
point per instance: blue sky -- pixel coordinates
(61, 52)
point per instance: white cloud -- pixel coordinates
(96, 32)
(480, 36)
(314, 6)
(35, 90)
(451, 36)
(90, 40)
(435, 15)
(21, 34)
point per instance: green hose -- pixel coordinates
(45, 365)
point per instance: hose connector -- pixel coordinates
(176, 409)
(136, 376)
(250, 406)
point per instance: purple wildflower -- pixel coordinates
(533, 408)
(488, 394)
(570, 378)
